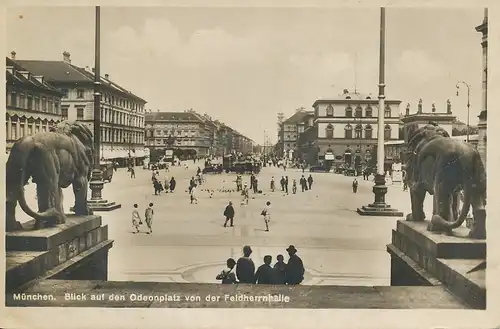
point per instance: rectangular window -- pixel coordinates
(79, 113)
(37, 103)
(80, 93)
(22, 101)
(30, 102)
(13, 131)
(44, 104)
(51, 105)
(64, 113)
(13, 99)
(56, 107)
(30, 129)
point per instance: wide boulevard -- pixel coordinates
(190, 244)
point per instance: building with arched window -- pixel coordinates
(347, 126)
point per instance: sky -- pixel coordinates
(244, 65)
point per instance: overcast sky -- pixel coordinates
(243, 66)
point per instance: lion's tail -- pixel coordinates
(17, 169)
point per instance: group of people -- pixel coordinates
(306, 184)
(229, 214)
(148, 218)
(291, 273)
(168, 185)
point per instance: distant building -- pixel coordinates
(122, 112)
(346, 127)
(186, 132)
(292, 128)
(33, 104)
(444, 119)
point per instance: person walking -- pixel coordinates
(148, 215)
(295, 267)
(194, 194)
(294, 186)
(282, 182)
(303, 183)
(286, 184)
(255, 185)
(227, 276)
(272, 184)
(132, 172)
(265, 273)
(229, 213)
(266, 212)
(244, 194)
(280, 270)
(310, 181)
(355, 186)
(245, 268)
(136, 218)
(172, 184)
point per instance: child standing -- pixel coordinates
(149, 217)
(136, 219)
(266, 212)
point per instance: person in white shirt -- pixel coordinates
(194, 194)
(266, 212)
(136, 219)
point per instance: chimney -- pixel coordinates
(106, 76)
(67, 57)
(13, 55)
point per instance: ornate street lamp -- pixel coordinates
(468, 103)
(379, 207)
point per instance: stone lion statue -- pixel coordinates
(444, 167)
(55, 160)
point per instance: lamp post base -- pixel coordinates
(96, 202)
(379, 207)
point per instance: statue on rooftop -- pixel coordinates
(433, 107)
(448, 106)
(419, 106)
(407, 109)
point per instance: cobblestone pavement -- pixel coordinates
(190, 244)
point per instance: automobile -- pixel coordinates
(319, 168)
(107, 169)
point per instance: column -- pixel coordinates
(9, 128)
(18, 128)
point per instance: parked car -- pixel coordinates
(318, 169)
(107, 171)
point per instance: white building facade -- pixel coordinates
(122, 112)
(347, 126)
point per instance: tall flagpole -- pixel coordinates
(96, 201)
(379, 207)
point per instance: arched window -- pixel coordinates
(358, 131)
(348, 131)
(369, 111)
(359, 112)
(368, 132)
(329, 111)
(387, 132)
(387, 111)
(348, 112)
(329, 131)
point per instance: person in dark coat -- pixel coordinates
(286, 184)
(227, 276)
(303, 183)
(245, 268)
(255, 185)
(265, 273)
(172, 184)
(280, 270)
(229, 213)
(355, 185)
(192, 183)
(310, 181)
(282, 182)
(295, 268)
